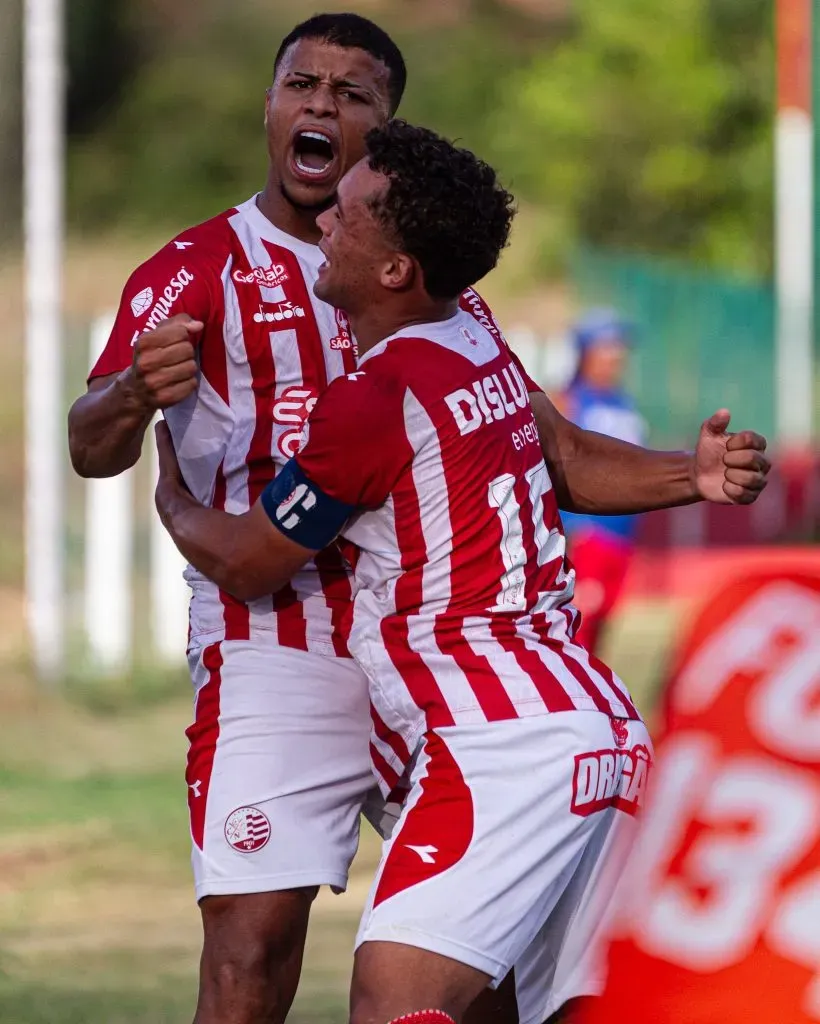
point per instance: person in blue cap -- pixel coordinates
(601, 547)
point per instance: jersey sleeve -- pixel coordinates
(172, 281)
(357, 448)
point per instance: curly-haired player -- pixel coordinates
(525, 758)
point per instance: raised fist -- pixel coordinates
(164, 370)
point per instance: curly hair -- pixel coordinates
(443, 206)
(352, 32)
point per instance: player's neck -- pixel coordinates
(381, 320)
(299, 223)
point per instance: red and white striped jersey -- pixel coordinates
(462, 606)
(269, 348)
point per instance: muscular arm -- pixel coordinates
(601, 475)
(106, 426)
(245, 555)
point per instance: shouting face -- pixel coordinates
(323, 101)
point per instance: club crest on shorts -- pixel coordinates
(247, 829)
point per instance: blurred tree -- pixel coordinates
(635, 124)
(650, 128)
(10, 119)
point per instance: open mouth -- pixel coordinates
(313, 153)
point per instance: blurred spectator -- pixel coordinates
(601, 547)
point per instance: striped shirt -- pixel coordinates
(268, 350)
(462, 592)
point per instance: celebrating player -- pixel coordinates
(526, 756)
(220, 329)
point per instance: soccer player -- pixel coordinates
(221, 331)
(525, 755)
(601, 547)
(278, 766)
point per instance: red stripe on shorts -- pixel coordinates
(202, 737)
(438, 829)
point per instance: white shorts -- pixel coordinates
(508, 849)
(278, 768)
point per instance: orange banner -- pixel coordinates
(721, 920)
(794, 54)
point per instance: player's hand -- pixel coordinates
(164, 370)
(730, 469)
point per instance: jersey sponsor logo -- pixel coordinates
(247, 830)
(292, 408)
(165, 301)
(142, 301)
(282, 311)
(481, 313)
(610, 778)
(300, 500)
(528, 434)
(183, 245)
(266, 277)
(494, 397)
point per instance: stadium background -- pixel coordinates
(638, 137)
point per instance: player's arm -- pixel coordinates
(601, 475)
(107, 424)
(343, 468)
(141, 370)
(256, 553)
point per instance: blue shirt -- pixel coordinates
(610, 412)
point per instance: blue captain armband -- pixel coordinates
(303, 512)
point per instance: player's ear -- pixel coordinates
(398, 272)
(268, 92)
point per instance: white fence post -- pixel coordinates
(109, 529)
(169, 593)
(44, 132)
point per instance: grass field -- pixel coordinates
(97, 918)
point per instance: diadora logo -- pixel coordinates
(610, 778)
(283, 311)
(265, 277)
(165, 301)
(300, 500)
(492, 398)
(292, 408)
(426, 853)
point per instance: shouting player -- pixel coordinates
(220, 329)
(526, 757)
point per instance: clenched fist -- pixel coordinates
(164, 370)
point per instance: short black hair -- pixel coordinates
(443, 206)
(352, 32)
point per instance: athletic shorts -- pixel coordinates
(278, 768)
(509, 847)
